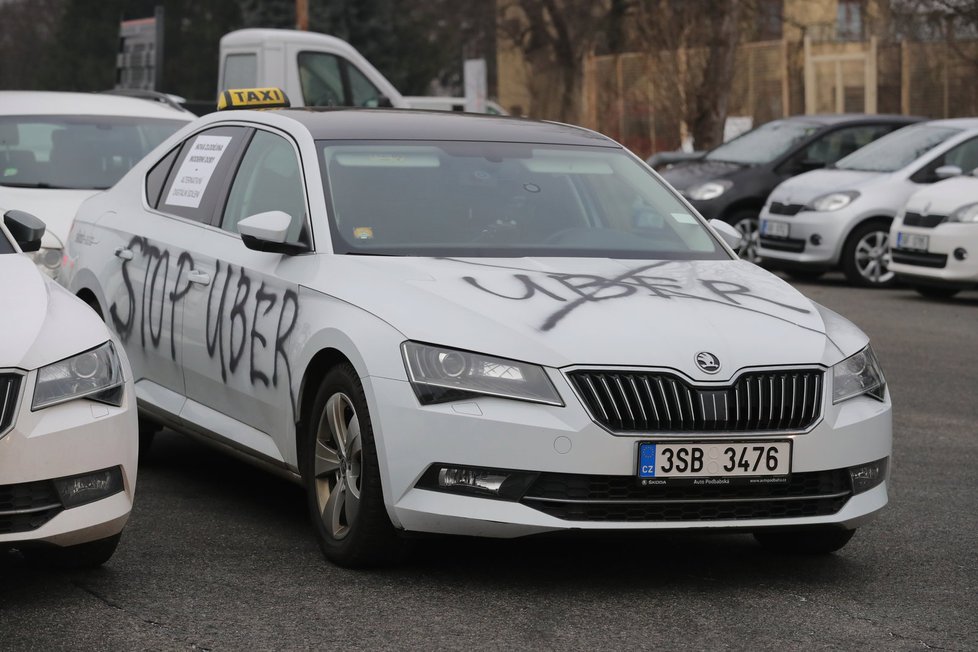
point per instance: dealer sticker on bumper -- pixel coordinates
(705, 462)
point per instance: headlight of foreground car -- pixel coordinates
(440, 374)
(857, 375)
(833, 201)
(967, 213)
(95, 374)
(709, 190)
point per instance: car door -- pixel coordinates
(146, 290)
(241, 319)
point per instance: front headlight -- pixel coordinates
(48, 259)
(967, 213)
(440, 374)
(709, 190)
(95, 374)
(857, 375)
(832, 202)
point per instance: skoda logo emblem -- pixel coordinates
(708, 362)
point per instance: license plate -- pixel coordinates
(775, 229)
(713, 462)
(912, 241)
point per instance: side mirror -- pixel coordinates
(268, 232)
(729, 234)
(947, 171)
(26, 229)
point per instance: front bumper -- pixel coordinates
(814, 239)
(491, 433)
(938, 265)
(79, 437)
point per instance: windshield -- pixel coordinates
(764, 144)
(504, 200)
(78, 152)
(897, 150)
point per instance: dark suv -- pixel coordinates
(732, 181)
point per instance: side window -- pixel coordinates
(362, 89)
(157, 177)
(321, 79)
(198, 179)
(268, 179)
(241, 71)
(964, 156)
(843, 142)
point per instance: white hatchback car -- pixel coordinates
(67, 415)
(934, 240)
(451, 323)
(841, 217)
(58, 149)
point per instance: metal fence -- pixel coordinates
(637, 98)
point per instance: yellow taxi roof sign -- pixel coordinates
(253, 98)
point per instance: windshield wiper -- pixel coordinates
(38, 184)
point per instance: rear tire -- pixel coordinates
(805, 541)
(932, 292)
(84, 555)
(806, 275)
(342, 477)
(865, 258)
(147, 433)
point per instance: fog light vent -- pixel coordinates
(82, 489)
(489, 483)
(867, 476)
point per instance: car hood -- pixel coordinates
(944, 197)
(806, 187)
(56, 208)
(684, 176)
(41, 321)
(589, 311)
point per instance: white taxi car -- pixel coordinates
(67, 415)
(58, 149)
(934, 240)
(463, 324)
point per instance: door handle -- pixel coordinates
(123, 253)
(199, 277)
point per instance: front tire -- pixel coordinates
(748, 223)
(932, 292)
(342, 477)
(805, 541)
(865, 257)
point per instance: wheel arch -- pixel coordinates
(866, 219)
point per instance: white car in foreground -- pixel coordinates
(67, 418)
(58, 149)
(934, 240)
(460, 324)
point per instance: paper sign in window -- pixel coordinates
(195, 172)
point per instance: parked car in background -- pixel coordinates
(934, 239)
(475, 325)
(68, 440)
(58, 149)
(841, 217)
(443, 103)
(732, 181)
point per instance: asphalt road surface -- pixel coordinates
(219, 555)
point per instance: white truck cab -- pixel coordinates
(313, 69)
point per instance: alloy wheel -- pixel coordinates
(873, 257)
(750, 235)
(338, 465)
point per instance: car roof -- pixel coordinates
(832, 119)
(58, 103)
(406, 124)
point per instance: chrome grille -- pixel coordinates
(779, 208)
(637, 401)
(9, 390)
(924, 221)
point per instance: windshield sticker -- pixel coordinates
(684, 218)
(363, 233)
(576, 290)
(195, 172)
(246, 323)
